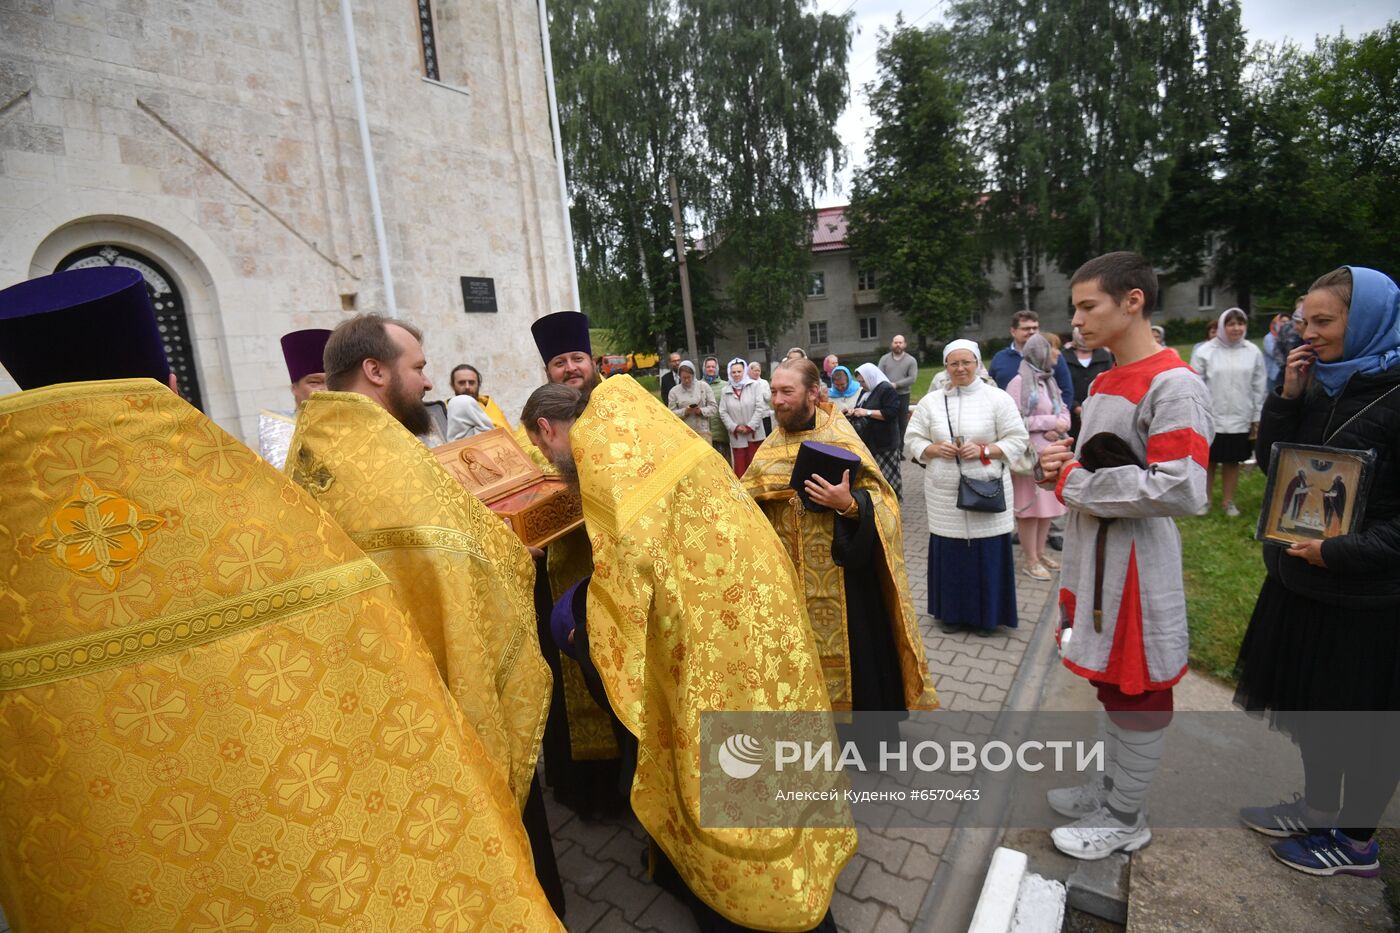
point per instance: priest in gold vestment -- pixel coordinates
(465, 578)
(692, 607)
(851, 564)
(580, 752)
(215, 713)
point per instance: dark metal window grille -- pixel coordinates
(167, 301)
(425, 28)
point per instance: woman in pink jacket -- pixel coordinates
(1035, 392)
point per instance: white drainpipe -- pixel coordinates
(558, 150)
(390, 305)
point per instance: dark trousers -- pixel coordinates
(1342, 772)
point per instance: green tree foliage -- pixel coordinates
(739, 100)
(913, 207)
(1082, 110)
(623, 112)
(1307, 167)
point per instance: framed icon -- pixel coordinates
(1314, 493)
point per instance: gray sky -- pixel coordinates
(1264, 20)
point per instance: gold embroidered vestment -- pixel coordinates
(215, 713)
(693, 607)
(807, 537)
(465, 578)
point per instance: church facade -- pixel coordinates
(217, 146)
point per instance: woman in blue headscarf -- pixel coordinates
(844, 389)
(1325, 634)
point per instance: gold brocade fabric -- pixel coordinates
(570, 559)
(215, 714)
(464, 577)
(807, 536)
(694, 607)
(493, 411)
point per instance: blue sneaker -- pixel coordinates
(1282, 820)
(1327, 854)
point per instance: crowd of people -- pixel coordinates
(338, 653)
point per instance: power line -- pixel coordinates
(909, 25)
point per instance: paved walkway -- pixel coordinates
(881, 889)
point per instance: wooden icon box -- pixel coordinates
(492, 467)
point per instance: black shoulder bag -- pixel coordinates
(977, 495)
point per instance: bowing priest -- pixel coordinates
(465, 578)
(301, 349)
(215, 711)
(580, 751)
(845, 539)
(668, 630)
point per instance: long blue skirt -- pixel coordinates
(972, 582)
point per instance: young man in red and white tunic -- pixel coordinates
(1122, 600)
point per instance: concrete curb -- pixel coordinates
(951, 900)
(996, 903)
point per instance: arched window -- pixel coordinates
(169, 306)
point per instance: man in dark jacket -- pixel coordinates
(1007, 362)
(1084, 366)
(671, 377)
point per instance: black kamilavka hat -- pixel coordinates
(80, 325)
(561, 332)
(826, 461)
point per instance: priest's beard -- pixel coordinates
(586, 389)
(795, 420)
(407, 410)
(568, 469)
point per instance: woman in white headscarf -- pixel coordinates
(876, 416)
(1047, 419)
(466, 417)
(692, 400)
(975, 430)
(741, 410)
(1234, 371)
(765, 393)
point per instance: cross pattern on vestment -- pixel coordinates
(150, 712)
(188, 822)
(341, 878)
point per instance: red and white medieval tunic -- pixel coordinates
(1160, 407)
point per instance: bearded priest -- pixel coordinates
(466, 579)
(846, 540)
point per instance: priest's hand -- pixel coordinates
(837, 498)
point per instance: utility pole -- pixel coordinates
(685, 274)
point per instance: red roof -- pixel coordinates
(830, 232)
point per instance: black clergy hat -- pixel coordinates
(826, 461)
(80, 325)
(561, 332)
(304, 350)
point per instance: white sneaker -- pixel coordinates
(1077, 801)
(1231, 511)
(1099, 835)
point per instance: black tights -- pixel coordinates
(1333, 757)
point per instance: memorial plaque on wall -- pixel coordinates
(479, 295)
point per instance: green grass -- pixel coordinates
(1223, 572)
(921, 384)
